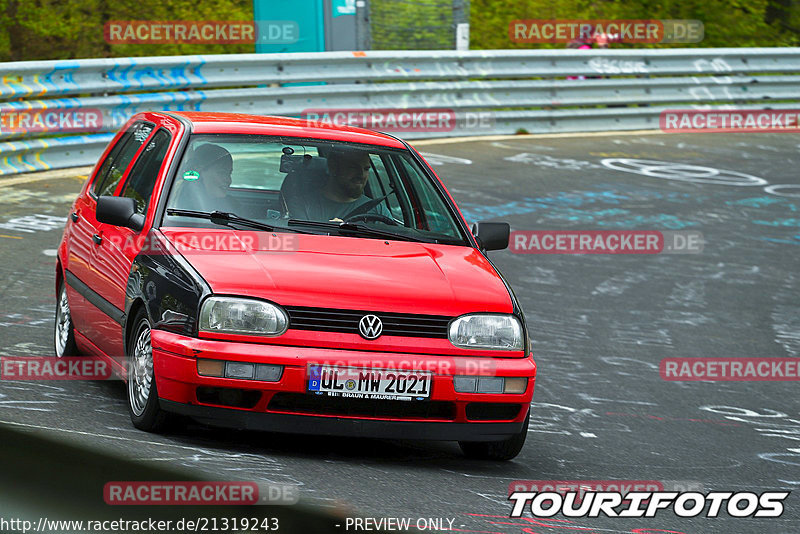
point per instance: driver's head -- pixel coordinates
(348, 170)
(215, 165)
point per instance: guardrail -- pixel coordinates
(516, 89)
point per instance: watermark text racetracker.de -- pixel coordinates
(200, 242)
(730, 369)
(606, 242)
(443, 365)
(197, 493)
(403, 120)
(730, 120)
(612, 31)
(27, 121)
(201, 31)
(34, 368)
(580, 487)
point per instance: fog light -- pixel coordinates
(516, 385)
(465, 384)
(239, 370)
(269, 373)
(210, 367)
(490, 384)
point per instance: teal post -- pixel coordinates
(289, 26)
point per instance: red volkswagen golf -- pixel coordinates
(276, 274)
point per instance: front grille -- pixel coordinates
(346, 321)
(396, 409)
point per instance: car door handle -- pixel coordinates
(74, 217)
(97, 239)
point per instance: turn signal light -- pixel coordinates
(211, 368)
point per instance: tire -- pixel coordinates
(63, 330)
(506, 449)
(142, 392)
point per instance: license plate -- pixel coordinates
(360, 383)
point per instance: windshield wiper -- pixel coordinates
(356, 229)
(224, 218)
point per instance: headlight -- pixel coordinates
(242, 316)
(485, 331)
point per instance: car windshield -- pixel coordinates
(315, 185)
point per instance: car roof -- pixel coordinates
(240, 123)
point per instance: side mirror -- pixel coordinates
(119, 211)
(492, 235)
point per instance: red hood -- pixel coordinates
(346, 272)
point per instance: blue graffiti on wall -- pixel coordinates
(588, 207)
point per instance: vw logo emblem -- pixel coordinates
(370, 327)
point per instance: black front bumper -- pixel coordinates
(344, 426)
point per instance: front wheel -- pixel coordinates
(64, 335)
(506, 449)
(142, 392)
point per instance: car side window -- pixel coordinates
(142, 178)
(117, 162)
(437, 221)
(111, 158)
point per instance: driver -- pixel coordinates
(207, 180)
(216, 166)
(342, 192)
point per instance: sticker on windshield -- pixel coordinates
(191, 176)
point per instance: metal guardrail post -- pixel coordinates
(460, 24)
(363, 30)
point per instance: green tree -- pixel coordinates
(70, 29)
(411, 24)
(728, 23)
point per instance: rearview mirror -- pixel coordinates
(492, 235)
(119, 211)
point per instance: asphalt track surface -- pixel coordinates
(601, 325)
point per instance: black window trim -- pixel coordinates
(94, 183)
(172, 171)
(414, 196)
(140, 154)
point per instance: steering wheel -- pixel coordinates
(377, 217)
(367, 206)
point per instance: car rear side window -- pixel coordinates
(143, 175)
(120, 157)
